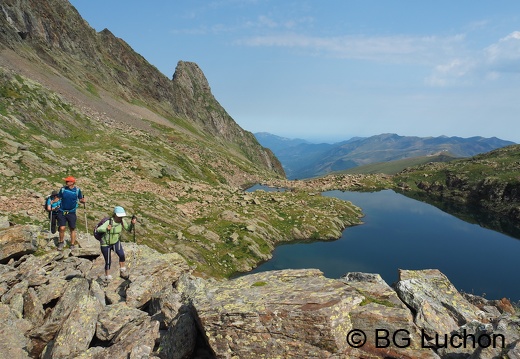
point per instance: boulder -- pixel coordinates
(151, 273)
(180, 339)
(135, 340)
(88, 246)
(4, 222)
(386, 321)
(114, 317)
(76, 292)
(290, 313)
(514, 351)
(164, 306)
(79, 328)
(439, 308)
(17, 241)
(13, 342)
(33, 308)
(53, 290)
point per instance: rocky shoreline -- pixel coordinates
(56, 305)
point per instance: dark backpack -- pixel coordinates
(98, 235)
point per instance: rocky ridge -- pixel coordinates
(56, 305)
(50, 43)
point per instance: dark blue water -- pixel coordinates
(402, 233)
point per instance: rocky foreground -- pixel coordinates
(56, 305)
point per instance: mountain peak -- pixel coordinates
(189, 75)
(103, 72)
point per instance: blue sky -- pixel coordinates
(328, 70)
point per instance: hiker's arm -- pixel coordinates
(82, 198)
(128, 225)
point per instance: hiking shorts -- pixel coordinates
(69, 217)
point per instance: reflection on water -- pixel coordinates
(473, 215)
(402, 233)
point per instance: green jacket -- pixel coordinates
(114, 235)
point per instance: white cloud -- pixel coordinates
(265, 21)
(504, 56)
(450, 73)
(489, 63)
(392, 49)
(268, 22)
(452, 63)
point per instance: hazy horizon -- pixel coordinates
(331, 140)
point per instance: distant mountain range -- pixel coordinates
(303, 159)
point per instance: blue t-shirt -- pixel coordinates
(54, 205)
(69, 198)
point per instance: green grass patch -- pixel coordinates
(91, 88)
(371, 299)
(259, 284)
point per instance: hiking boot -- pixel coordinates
(60, 246)
(72, 247)
(108, 278)
(123, 273)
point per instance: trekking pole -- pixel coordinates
(109, 245)
(133, 225)
(86, 223)
(50, 224)
(133, 230)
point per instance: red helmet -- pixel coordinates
(69, 179)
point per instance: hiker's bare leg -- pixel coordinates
(62, 234)
(73, 236)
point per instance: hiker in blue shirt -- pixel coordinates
(52, 206)
(69, 195)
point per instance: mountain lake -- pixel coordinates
(402, 233)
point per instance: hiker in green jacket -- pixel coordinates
(112, 240)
